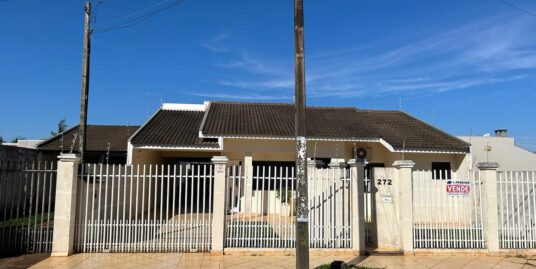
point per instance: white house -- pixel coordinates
(500, 149)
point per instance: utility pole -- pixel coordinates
(82, 128)
(302, 225)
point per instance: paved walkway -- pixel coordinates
(199, 260)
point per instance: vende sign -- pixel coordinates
(458, 187)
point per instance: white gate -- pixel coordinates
(144, 208)
(517, 209)
(447, 210)
(369, 207)
(329, 208)
(261, 207)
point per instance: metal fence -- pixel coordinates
(369, 207)
(517, 209)
(27, 197)
(447, 217)
(145, 208)
(329, 208)
(261, 207)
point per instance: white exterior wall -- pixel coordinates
(284, 150)
(504, 152)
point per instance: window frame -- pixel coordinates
(438, 168)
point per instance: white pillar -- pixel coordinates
(488, 174)
(248, 183)
(65, 211)
(357, 173)
(405, 203)
(218, 211)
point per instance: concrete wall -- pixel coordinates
(504, 151)
(146, 156)
(17, 154)
(385, 210)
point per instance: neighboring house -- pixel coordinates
(21, 151)
(25, 143)
(501, 149)
(105, 144)
(179, 133)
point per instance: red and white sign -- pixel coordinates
(458, 187)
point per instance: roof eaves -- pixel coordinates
(184, 147)
(422, 150)
(313, 138)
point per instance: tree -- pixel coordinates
(16, 139)
(61, 128)
(1, 140)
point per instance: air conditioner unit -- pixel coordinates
(362, 153)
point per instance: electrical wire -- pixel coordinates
(137, 17)
(519, 8)
(95, 11)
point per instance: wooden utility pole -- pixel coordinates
(82, 129)
(302, 225)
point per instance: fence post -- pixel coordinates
(488, 173)
(65, 210)
(218, 211)
(248, 182)
(405, 203)
(357, 173)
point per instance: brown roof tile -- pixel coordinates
(98, 137)
(235, 119)
(173, 128)
(277, 119)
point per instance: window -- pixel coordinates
(321, 162)
(441, 170)
(369, 169)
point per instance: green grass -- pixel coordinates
(24, 221)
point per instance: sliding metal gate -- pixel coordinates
(145, 208)
(261, 207)
(447, 217)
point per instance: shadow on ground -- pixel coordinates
(22, 261)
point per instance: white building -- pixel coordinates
(24, 143)
(501, 149)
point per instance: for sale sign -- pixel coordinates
(458, 187)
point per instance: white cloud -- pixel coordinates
(485, 52)
(218, 42)
(260, 85)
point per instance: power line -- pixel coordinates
(162, 6)
(519, 8)
(95, 11)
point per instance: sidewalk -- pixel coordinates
(200, 260)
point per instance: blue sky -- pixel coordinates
(459, 65)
